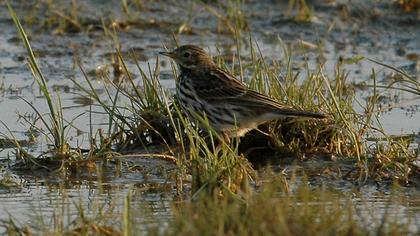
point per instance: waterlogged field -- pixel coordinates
(92, 142)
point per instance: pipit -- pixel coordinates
(231, 108)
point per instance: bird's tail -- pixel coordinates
(297, 113)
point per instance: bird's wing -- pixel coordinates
(219, 86)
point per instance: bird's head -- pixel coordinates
(190, 57)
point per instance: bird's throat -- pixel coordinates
(184, 70)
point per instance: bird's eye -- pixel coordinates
(187, 54)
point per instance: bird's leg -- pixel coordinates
(226, 138)
(265, 133)
(271, 140)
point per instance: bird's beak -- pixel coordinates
(168, 54)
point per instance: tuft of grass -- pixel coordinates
(62, 19)
(401, 81)
(212, 162)
(408, 5)
(54, 121)
(345, 131)
(303, 12)
(143, 120)
(231, 17)
(338, 134)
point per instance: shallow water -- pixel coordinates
(148, 182)
(380, 35)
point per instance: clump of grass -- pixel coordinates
(408, 5)
(131, 8)
(393, 160)
(303, 11)
(54, 121)
(390, 157)
(231, 17)
(10, 181)
(344, 132)
(143, 120)
(337, 134)
(62, 19)
(400, 81)
(213, 163)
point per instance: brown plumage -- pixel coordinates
(231, 107)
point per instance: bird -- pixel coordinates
(231, 108)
